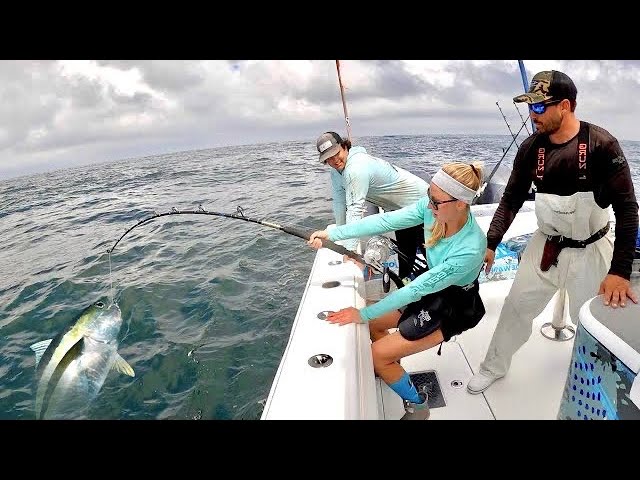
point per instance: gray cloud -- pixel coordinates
(59, 114)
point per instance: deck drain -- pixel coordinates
(331, 284)
(324, 314)
(335, 262)
(430, 380)
(321, 360)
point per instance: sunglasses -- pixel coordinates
(435, 203)
(540, 108)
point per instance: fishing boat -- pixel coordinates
(564, 371)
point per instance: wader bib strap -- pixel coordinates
(554, 244)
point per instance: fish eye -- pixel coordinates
(99, 304)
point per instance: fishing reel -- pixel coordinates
(377, 253)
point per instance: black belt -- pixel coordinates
(565, 242)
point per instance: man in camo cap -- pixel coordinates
(579, 170)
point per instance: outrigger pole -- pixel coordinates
(525, 83)
(303, 233)
(344, 103)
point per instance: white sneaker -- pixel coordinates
(481, 381)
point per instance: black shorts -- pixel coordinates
(452, 310)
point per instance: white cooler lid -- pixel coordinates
(617, 329)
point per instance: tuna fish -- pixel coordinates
(72, 367)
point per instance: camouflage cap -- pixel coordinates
(549, 85)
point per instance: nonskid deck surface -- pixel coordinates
(531, 390)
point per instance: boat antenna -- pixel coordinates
(300, 232)
(344, 103)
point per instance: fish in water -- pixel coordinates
(72, 367)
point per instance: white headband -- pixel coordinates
(453, 187)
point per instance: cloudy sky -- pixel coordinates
(57, 114)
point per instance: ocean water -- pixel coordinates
(207, 302)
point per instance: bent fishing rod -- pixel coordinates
(303, 233)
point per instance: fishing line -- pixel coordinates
(303, 233)
(111, 281)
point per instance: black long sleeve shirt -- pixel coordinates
(609, 178)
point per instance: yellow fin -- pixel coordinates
(39, 348)
(121, 365)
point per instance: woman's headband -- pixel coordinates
(453, 187)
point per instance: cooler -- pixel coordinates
(602, 381)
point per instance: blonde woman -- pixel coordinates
(441, 302)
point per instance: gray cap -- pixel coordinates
(328, 145)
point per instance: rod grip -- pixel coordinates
(326, 243)
(305, 233)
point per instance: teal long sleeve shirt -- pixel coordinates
(368, 178)
(455, 260)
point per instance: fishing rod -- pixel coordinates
(303, 233)
(508, 126)
(486, 182)
(521, 118)
(523, 74)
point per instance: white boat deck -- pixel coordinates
(531, 390)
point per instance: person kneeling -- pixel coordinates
(441, 302)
